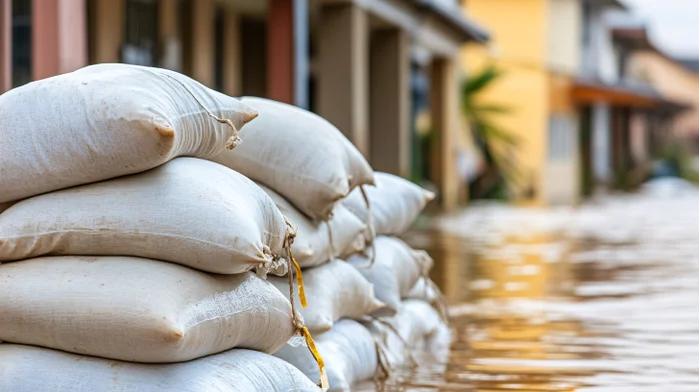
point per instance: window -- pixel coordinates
(21, 42)
(560, 140)
(141, 32)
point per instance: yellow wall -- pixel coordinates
(520, 47)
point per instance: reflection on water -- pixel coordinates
(599, 299)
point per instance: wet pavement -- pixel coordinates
(599, 298)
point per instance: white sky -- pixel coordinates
(673, 24)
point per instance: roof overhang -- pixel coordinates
(634, 38)
(625, 95)
(464, 27)
(606, 3)
(673, 108)
(591, 91)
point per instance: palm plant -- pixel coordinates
(496, 143)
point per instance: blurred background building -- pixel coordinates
(357, 63)
(587, 112)
(549, 108)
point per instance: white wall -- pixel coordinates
(565, 36)
(600, 59)
(563, 162)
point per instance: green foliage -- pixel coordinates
(496, 143)
(679, 156)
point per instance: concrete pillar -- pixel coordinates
(59, 37)
(203, 67)
(390, 102)
(105, 45)
(45, 39)
(5, 45)
(601, 144)
(444, 105)
(343, 68)
(232, 68)
(170, 45)
(280, 50)
(301, 54)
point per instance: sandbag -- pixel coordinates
(188, 211)
(426, 290)
(33, 369)
(105, 121)
(300, 155)
(138, 310)
(334, 290)
(317, 242)
(395, 203)
(349, 352)
(416, 330)
(395, 270)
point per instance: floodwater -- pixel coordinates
(599, 298)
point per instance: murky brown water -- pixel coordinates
(596, 299)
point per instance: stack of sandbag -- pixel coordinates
(164, 264)
(417, 316)
(385, 289)
(308, 167)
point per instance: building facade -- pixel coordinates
(540, 58)
(676, 82)
(351, 61)
(584, 122)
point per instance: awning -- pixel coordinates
(619, 94)
(454, 18)
(633, 38)
(673, 108)
(626, 94)
(607, 3)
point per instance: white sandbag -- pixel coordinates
(334, 290)
(395, 270)
(105, 121)
(395, 203)
(188, 211)
(416, 330)
(426, 290)
(349, 352)
(316, 241)
(138, 310)
(33, 369)
(300, 155)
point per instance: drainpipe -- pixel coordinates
(5, 45)
(301, 53)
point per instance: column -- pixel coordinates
(601, 149)
(287, 51)
(301, 54)
(170, 45)
(59, 37)
(280, 50)
(203, 68)
(5, 45)
(343, 68)
(108, 32)
(444, 103)
(232, 69)
(390, 102)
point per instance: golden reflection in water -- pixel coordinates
(496, 289)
